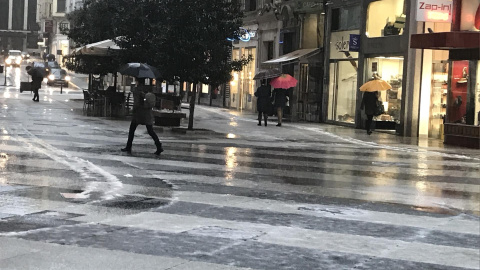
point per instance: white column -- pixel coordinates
(25, 16)
(10, 14)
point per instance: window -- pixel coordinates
(389, 69)
(385, 18)
(268, 45)
(335, 19)
(346, 18)
(61, 6)
(250, 5)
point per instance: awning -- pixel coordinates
(293, 56)
(97, 48)
(446, 40)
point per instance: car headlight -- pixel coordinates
(8, 61)
(51, 77)
(18, 60)
(67, 78)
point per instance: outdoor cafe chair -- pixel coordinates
(88, 102)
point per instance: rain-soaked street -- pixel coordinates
(229, 196)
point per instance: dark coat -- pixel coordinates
(142, 107)
(280, 97)
(263, 94)
(369, 102)
(37, 78)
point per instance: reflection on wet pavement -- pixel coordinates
(237, 197)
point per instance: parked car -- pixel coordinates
(56, 75)
(14, 58)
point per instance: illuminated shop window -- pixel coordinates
(386, 18)
(389, 69)
(477, 97)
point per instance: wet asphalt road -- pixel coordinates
(231, 196)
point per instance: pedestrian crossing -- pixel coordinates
(213, 203)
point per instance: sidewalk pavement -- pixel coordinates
(241, 124)
(234, 124)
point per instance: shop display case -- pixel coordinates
(438, 99)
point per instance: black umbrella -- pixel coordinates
(267, 74)
(40, 68)
(139, 70)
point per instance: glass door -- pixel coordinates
(477, 97)
(342, 91)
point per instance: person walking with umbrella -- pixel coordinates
(281, 84)
(142, 115)
(36, 83)
(142, 103)
(370, 102)
(263, 94)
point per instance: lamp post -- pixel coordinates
(5, 71)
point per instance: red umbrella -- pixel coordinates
(285, 81)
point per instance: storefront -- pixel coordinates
(455, 91)
(342, 86)
(389, 69)
(242, 86)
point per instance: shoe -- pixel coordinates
(369, 132)
(159, 151)
(265, 124)
(259, 124)
(36, 100)
(279, 124)
(128, 150)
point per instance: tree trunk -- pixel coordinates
(199, 95)
(188, 91)
(192, 107)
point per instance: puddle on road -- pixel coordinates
(435, 210)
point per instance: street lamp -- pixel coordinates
(5, 71)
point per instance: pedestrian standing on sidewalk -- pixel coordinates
(280, 99)
(36, 83)
(143, 115)
(369, 103)
(263, 94)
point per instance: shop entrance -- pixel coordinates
(389, 69)
(342, 91)
(242, 87)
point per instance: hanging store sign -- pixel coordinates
(354, 44)
(244, 34)
(470, 15)
(340, 45)
(434, 10)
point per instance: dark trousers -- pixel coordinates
(265, 116)
(35, 94)
(369, 122)
(151, 132)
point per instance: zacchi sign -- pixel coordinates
(434, 10)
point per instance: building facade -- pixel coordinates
(52, 20)
(19, 27)
(434, 91)
(287, 35)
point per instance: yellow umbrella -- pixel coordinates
(375, 85)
